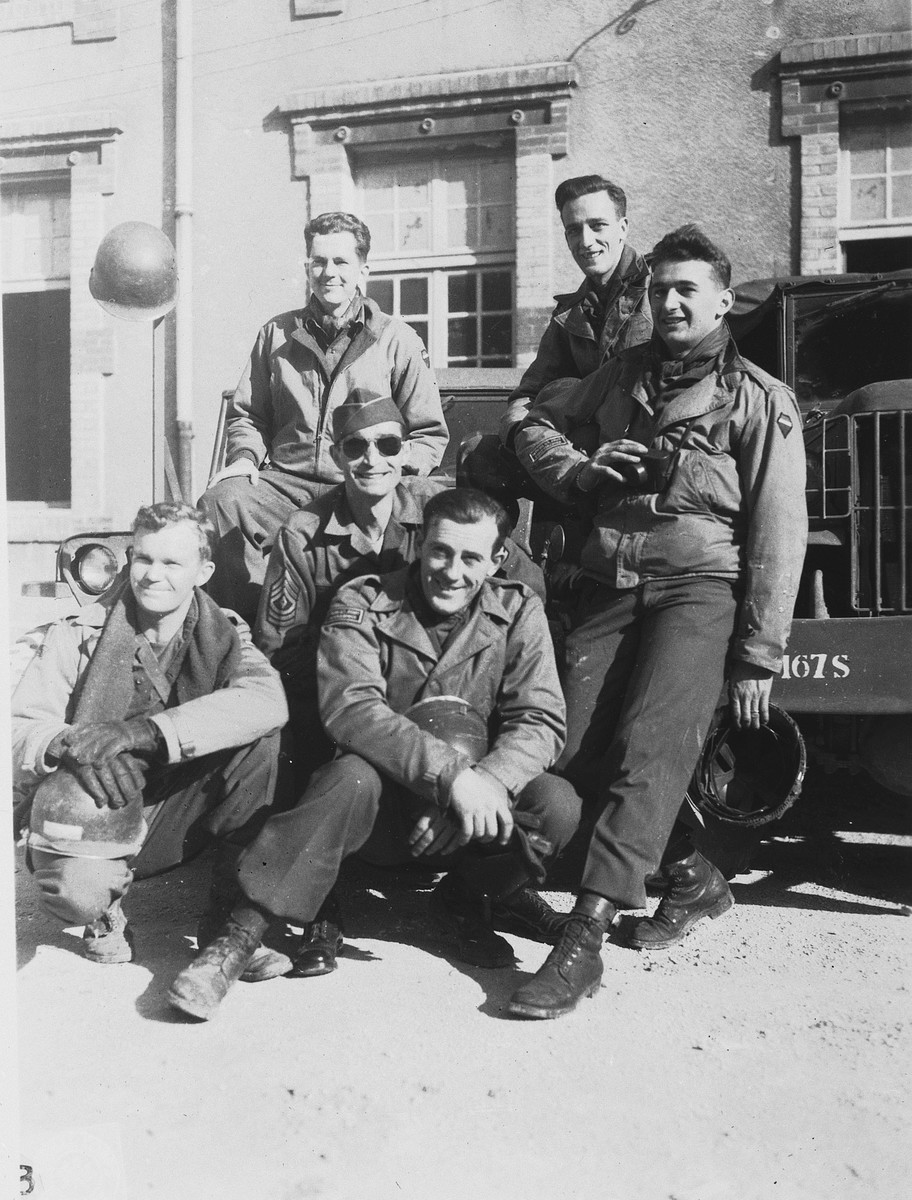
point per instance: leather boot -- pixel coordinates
(201, 987)
(320, 942)
(109, 939)
(224, 893)
(573, 969)
(464, 921)
(697, 890)
(526, 913)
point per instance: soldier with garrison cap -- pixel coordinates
(444, 627)
(688, 578)
(368, 524)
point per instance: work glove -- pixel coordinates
(109, 758)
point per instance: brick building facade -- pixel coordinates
(781, 127)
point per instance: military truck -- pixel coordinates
(844, 344)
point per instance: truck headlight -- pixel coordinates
(94, 567)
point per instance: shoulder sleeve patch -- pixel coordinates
(343, 614)
(548, 443)
(785, 423)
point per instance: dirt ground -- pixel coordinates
(767, 1057)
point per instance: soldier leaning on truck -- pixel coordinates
(689, 576)
(303, 365)
(144, 729)
(608, 311)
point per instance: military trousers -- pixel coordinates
(349, 807)
(221, 798)
(644, 672)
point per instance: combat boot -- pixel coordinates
(697, 889)
(464, 921)
(527, 913)
(572, 970)
(109, 939)
(200, 988)
(224, 893)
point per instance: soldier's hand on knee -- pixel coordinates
(241, 466)
(481, 806)
(112, 784)
(434, 833)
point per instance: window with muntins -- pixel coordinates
(443, 249)
(876, 153)
(36, 338)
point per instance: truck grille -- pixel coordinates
(859, 485)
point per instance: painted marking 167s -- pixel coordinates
(815, 666)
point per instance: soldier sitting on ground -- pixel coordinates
(368, 524)
(145, 729)
(395, 792)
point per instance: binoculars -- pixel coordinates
(651, 474)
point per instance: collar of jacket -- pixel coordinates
(398, 622)
(94, 615)
(342, 524)
(705, 396)
(633, 272)
(316, 318)
(373, 321)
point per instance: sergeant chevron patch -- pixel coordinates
(282, 601)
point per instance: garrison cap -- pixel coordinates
(362, 408)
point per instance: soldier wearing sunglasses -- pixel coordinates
(370, 524)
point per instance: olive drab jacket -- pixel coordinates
(282, 407)
(375, 660)
(573, 345)
(734, 504)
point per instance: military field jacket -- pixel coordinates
(376, 660)
(284, 401)
(734, 506)
(572, 347)
(250, 705)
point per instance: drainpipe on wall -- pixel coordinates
(183, 242)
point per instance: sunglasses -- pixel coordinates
(356, 447)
